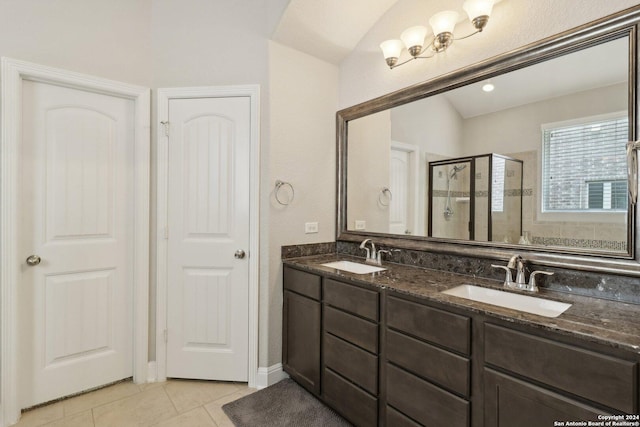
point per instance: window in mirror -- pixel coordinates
(583, 165)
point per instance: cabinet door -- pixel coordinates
(511, 402)
(301, 340)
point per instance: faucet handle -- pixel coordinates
(508, 278)
(532, 279)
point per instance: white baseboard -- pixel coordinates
(270, 375)
(152, 372)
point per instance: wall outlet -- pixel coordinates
(361, 224)
(310, 227)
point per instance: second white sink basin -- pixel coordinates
(528, 304)
(353, 267)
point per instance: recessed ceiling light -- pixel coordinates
(488, 87)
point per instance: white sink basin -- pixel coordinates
(534, 305)
(353, 267)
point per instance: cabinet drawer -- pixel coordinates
(351, 362)
(362, 302)
(437, 326)
(398, 419)
(351, 328)
(601, 378)
(424, 402)
(439, 366)
(302, 282)
(353, 403)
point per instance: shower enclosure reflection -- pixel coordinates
(476, 198)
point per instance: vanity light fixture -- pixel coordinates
(442, 24)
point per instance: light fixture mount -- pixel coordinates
(442, 24)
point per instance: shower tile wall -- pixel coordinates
(562, 233)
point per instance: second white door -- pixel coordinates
(208, 238)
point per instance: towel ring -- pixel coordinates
(279, 185)
(385, 194)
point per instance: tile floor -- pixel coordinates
(175, 403)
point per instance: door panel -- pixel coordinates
(399, 173)
(75, 306)
(208, 217)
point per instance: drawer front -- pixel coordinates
(351, 362)
(302, 282)
(604, 379)
(424, 402)
(398, 419)
(436, 365)
(437, 326)
(362, 302)
(351, 328)
(353, 403)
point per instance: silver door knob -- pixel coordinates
(33, 260)
(239, 254)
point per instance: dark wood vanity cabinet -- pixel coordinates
(383, 358)
(546, 380)
(350, 351)
(301, 328)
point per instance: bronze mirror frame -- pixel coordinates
(622, 24)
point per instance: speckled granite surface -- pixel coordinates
(295, 251)
(611, 323)
(598, 285)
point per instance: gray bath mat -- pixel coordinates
(282, 404)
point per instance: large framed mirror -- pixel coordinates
(526, 150)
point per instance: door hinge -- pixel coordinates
(166, 335)
(165, 124)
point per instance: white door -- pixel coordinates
(399, 186)
(76, 214)
(208, 222)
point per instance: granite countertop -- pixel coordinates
(611, 323)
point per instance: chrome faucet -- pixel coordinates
(372, 255)
(516, 262)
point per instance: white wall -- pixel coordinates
(172, 43)
(109, 39)
(303, 103)
(368, 154)
(513, 24)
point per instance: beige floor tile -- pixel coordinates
(99, 397)
(187, 395)
(195, 418)
(147, 386)
(83, 419)
(41, 416)
(215, 408)
(143, 409)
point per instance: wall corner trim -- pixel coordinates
(267, 376)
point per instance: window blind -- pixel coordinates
(585, 158)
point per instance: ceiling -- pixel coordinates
(328, 29)
(577, 72)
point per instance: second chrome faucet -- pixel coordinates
(516, 262)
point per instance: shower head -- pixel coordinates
(455, 170)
